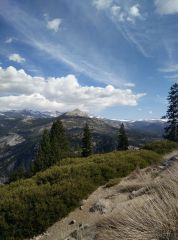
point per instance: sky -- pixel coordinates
(110, 58)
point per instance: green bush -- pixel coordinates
(162, 147)
(28, 207)
(112, 182)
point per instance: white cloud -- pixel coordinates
(21, 90)
(125, 14)
(9, 40)
(150, 112)
(166, 6)
(102, 4)
(135, 11)
(54, 24)
(16, 58)
(115, 10)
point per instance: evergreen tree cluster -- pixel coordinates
(54, 146)
(171, 130)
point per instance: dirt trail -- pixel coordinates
(106, 200)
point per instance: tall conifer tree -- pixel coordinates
(59, 142)
(171, 130)
(122, 139)
(53, 147)
(86, 142)
(43, 158)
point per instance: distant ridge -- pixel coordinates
(76, 113)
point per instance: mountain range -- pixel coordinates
(20, 133)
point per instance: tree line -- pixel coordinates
(54, 144)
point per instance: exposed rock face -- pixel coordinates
(11, 140)
(76, 113)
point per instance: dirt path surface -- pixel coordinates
(105, 201)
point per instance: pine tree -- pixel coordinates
(43, 159)
(122, 138)
(171, 130)
(59, 142)
(53, 147)
(86, 142)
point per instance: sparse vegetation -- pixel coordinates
(154, 217)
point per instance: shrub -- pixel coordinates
(112, 182)
(161, 147)
(28, 207)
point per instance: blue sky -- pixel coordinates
(112, 58)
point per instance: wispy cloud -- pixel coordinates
(54, 24)
(124, 14)
(102, 4)
(15, 57)
(33, 32)
(165, 7)
(9, 40)
(170, 72)
(170, 69)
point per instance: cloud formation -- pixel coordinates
(9, 40)
(170, 69)
(102, 4)
(54, 24)
(129, 14)
(171, 72)
(18, 90)
(15, 57)
(121, 13)
(135, 11)
(165, 7)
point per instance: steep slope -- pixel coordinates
(108, 202)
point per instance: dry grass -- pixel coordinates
(139, 179)
(156, 218)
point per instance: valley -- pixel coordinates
(20, 133)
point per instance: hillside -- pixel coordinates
(20, 133)
(102, 208)
(28, 207)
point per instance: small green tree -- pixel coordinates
(86, 142)
(122, 139)
(59, 142)
(171, 130)
(43, 158)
